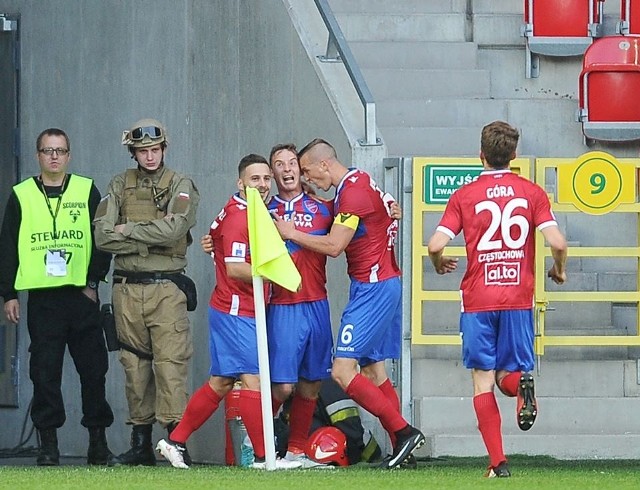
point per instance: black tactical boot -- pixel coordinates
(48, 454)
(141, 452)
(98, 452)
(185, 454)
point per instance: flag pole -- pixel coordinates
(265, 374)
(269, 259)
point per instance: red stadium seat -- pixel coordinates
(559, 28)
(610, 89)
(629, 17)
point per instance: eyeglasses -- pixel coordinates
(50, 151)
(152, 132)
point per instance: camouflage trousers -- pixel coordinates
(152, 318)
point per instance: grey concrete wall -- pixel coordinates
(227, 77)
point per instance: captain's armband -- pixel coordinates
(347, 219)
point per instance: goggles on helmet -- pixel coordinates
(152, 132)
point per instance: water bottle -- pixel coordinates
(247, 456)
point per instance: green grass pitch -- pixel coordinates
(442, 473)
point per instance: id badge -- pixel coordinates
(56, 263)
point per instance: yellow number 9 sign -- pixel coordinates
(596, 183)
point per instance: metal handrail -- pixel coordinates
(339, 50)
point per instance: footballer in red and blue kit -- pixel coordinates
(299, 323)
(497, 289)
(232, 326)
(370, 327)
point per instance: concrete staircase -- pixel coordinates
(439, 71)
(417, 57)
(587, 410)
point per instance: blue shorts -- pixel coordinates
(300, 341)
(371, 325)
(497, 340)
(233, 345)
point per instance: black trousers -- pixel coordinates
(60, 318)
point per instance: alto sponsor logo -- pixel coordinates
(502, 273)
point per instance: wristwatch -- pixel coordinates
(92, 285)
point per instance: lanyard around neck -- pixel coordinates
(54, 215)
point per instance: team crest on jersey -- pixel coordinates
(311, 206)
(502, 274)
(239, 249)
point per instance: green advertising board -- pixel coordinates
(440, 181)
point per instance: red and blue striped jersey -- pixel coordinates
(311, 215)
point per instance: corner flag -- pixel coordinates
(270, 259)
(269, 256)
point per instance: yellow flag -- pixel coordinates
(269, 256)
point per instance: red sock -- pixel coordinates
(300, 419)
(489, 424)
(201, 406)
(251, 414)
(510, 383)
(369, 397)
(390, 393)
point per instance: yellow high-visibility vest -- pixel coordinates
(61, 224)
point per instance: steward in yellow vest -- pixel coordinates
(47, 249)
(54, 228)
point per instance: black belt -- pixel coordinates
(143, 277)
